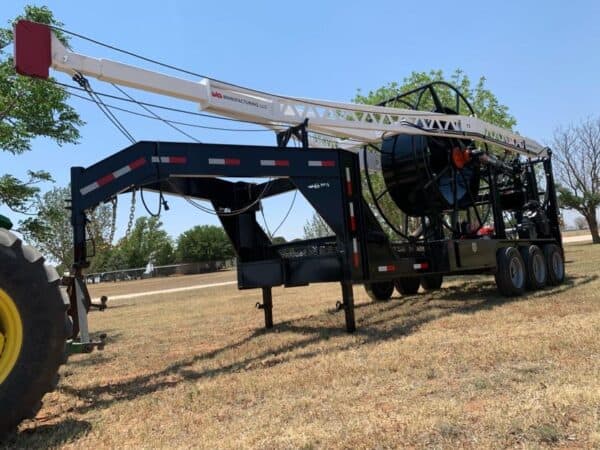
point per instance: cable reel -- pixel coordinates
(433, 179)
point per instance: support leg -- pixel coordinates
(268, 306)
(348, 299)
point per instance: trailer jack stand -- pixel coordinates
(86, 347)
(348, 306)
(267, 306)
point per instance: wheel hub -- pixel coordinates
(516, 272)
(11, 334)
(557, 264)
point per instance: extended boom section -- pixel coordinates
(37, 49)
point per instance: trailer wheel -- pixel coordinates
(34, 327)
(380, 290)
(407, 285)
(432, 282)
(536, 273)
(555, 264)
(510, 272)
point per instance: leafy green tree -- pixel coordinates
(577, 154)
(204, 243)
(53, 234)
(485, 104)
(316, 227)
(147, 241)
(30, 108)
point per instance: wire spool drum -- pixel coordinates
(426, 176)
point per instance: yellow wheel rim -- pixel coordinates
(11, 334)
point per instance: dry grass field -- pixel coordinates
(157, 284)
(460, 368)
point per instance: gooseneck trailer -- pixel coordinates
(469, 197)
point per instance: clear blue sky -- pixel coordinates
(542, 59)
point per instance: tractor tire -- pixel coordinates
(555, 264)
(380, 291)
(34, 327)
(407, 285)
(510, 272)
(536, 272)
(431, 282)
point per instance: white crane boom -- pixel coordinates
(37, 48)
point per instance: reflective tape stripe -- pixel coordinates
(421, 266)
(121, 171)
(355, 256)
(388, 268)
(224, 161)
(352, 217)
(169, 159)
(274, 162)
(108, 178)
(89, 188)
(324, 163)
(348, 181)
(102, 181)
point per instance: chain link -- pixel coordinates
(131, 214)
(113, 224)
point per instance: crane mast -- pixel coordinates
(37, 48)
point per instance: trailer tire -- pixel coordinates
(536, 272)
(432, 282)
(34, 327)
(510, 272)
(380, 291)
(408, 285)
(555, 264)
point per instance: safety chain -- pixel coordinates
(131, 214)
(113, 225)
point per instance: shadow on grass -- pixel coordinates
(378, 322)
(46, 435)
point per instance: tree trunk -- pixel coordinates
(593, 223)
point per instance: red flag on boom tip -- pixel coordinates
(33, 49)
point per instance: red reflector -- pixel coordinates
(328, 163)
(232, 162)
(178, 160)
(32, 49)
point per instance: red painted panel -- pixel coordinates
(32, 49)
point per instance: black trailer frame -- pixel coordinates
(359, 251)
